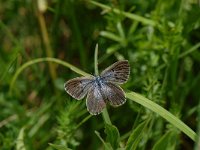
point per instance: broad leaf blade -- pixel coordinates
(20, 140)
(113, 136)
(136, 136)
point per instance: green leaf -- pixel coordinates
(113, 136)
(20, 140)
(163, 113)
(59, 147)
(136, 136)
(106, 145)
(167, 141)
(111, 36)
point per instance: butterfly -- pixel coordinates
(101, 89)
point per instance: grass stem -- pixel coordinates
(105, 112)
(46, 40)
(96, 61)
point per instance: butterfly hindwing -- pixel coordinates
(78, 87)
(114, 93)
(95, 102)
(117, 73)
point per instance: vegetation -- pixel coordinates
(44, 44)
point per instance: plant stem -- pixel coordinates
(96, 61)
(192, 49)
(46, 40)
(105, 112)
(83, 121)
(106, 117)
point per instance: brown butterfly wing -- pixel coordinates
(78, 87)
(95, 102)
(117, 72)
(114, 93)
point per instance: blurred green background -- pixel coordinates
(161, 40)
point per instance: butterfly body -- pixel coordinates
(99, 83)
(101, 89)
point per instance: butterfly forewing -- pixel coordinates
(95, 102)
(115, 95)
(78, 87)
(117, 73)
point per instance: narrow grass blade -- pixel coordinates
(197, 145)
(47, 59)
(126, 14)
(41, 121)
(96, 60)
(163, 113)
(192, 49)
(111, 36)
